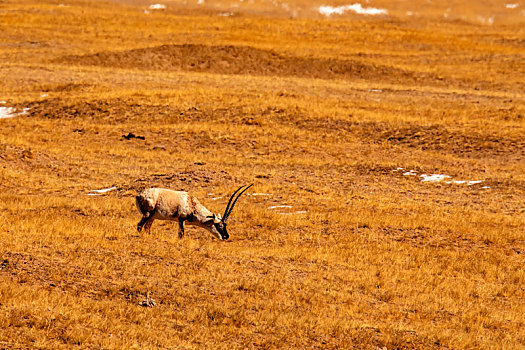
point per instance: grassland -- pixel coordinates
(341, 244)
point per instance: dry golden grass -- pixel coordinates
(320, 114)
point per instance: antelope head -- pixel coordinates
(217, 223)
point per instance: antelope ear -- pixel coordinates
(216, 218)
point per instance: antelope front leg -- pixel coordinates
(147, 226)
(181, 228)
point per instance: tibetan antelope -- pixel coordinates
(164, 204)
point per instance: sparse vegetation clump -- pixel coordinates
(387, 156)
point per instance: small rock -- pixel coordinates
(131, 135)
(4, 264)
(147, 303)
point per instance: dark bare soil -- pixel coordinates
(459, 140)
(245, 60)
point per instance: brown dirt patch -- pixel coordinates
(116, 110)
(26, 158)
(183, 180)
(437, 137)
(33, 270)
(61, 274)
(242, 60)
(460, 140)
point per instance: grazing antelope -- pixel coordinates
(164, 204)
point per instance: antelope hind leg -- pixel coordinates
(141, 223)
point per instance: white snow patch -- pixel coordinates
(486, 20)
(327, 11)
(157, 7)
(433, 177)
(457, 182)
(512, 6)
(438, 178)
(102, 191)
(200, 2)
(214, 198)
(279, 206)
(11, 112)
(3, 102)
(474, 182)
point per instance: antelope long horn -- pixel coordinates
(230, 208)
(230, 201)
